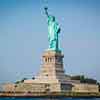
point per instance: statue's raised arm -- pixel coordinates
(46, 12)
(53, 31)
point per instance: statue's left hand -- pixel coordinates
(59, 30)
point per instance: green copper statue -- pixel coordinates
(53, 31)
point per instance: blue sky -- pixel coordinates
(23, 37)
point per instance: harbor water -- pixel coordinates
(12, 98)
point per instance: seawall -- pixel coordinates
(49, 94)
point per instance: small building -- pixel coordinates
(85, 87)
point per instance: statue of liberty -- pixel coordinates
(53, 32)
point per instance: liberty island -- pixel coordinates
(51, 79)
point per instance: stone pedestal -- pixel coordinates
(51, 76)
(52, 66)
(52, 71)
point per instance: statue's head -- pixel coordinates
(51, 18)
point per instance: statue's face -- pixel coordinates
(52, 18)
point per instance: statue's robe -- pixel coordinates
(53, 31)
